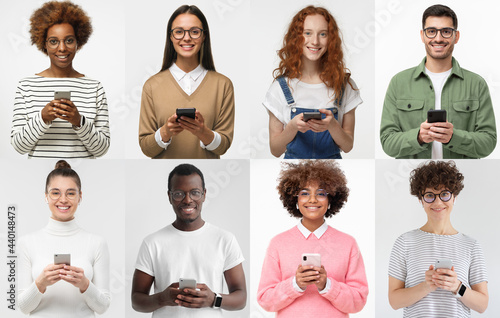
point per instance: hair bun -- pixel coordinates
(62, 164)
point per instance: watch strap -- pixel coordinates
(461, 291)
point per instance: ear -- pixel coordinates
(169, 199)
(81, 197)
(204, 195)
(457, 36)
(422, 36)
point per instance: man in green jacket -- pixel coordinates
(438, 83)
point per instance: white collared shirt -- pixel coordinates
(189, 82)
(318, 233)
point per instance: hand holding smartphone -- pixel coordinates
(311, 259)
(187, 283)
(62, 259)
(311, 115)
(436, 116)
(187, 112)
(62, 95)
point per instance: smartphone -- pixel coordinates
(443, 263)
(311, 259)
(187, 283)
(62, 95)
(436, 116)
(62, 259)
(311, 115)
(188, 112)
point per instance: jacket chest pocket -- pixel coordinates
(463, 114)
(410, 113)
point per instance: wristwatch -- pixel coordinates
(217, 301)
(461, 291)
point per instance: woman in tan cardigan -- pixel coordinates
(187, 80)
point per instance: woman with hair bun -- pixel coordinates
(59, 112)
(312, 101)
(336, 285)
(79, 285)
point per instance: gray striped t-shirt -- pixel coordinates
(413, 253)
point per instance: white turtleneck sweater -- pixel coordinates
(62, 299)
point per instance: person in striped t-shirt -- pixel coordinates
(416, 281)
(45, 125)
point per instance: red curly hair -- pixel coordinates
(54, 12)
(333, 71)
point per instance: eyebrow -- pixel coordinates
(74, 189)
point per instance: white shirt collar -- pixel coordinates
(180, 74)
(318, 233)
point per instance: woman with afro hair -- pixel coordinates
(313, 190)
(437, 271)
(312, 101)
(59, 112)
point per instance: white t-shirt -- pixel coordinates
(438, 80)
(203, 255)
(415, 251)
(311, 96)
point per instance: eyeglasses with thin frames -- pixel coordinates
(71, 194)
(69, 42)
(304, 195)
(179, 195)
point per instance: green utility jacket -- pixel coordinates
(467, 102)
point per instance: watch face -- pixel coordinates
(218, 301)
(461, 292)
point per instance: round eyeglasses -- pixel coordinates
(71, 194)
(445, 32)
(320, 195)
(69, 42)
(430, 197)
(194, 33)
(179, 195)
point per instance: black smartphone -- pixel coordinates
(188, 112)
(436, 116)
(311, 115)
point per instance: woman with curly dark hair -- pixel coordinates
(312, 101)
(59, 112)
(436, 269)
(336, 284)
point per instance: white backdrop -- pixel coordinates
(475, 213)
(101, 212)
(148, 210)
(266, 36)
(102, 58)
(398, 46)
(269, 218)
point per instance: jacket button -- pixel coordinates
(468, 107)
(409, 105)
(451, 147)
(430, 86)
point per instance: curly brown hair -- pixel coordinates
(295, 176)
(436, 174)
(334, 73)
(54, 12)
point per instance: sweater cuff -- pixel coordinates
(29, 299)
(38, 119)
(214, 144)
(296, 286)
(159, 141)
(334, 290)
(96, 299)
(328, 286)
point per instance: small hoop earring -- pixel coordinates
(46, 200)
(297, 205)
(328, 206)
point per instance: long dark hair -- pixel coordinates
(169, 55)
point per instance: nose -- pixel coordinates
(187, 199)
(315, 39)
(62, 46)
(187, 36)
(312, 198)
(438, 37)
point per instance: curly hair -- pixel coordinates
(54, 12)
(334, 73)
(436, 174)
(295, 176)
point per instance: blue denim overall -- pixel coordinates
(309, 145)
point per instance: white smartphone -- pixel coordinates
(443, 263)
(313, 259)
(62, 259)
(187, 283)
(62, 95)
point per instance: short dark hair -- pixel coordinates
(185, 169)
(295, 176)
(435, 174)
(54, 12)
(63, 169)
(439, 10)
(169, 54)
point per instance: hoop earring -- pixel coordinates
(328, 206)
(46, 200)
(297, 205)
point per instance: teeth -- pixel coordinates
(63, 207)
(315, 50)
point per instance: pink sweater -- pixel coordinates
(344, 267)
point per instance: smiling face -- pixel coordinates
(187, 211)
(187, 48)
(62, 56)
(315, 37)
(439, 48)
(314, 206)
(63, 208)
(438, 210)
